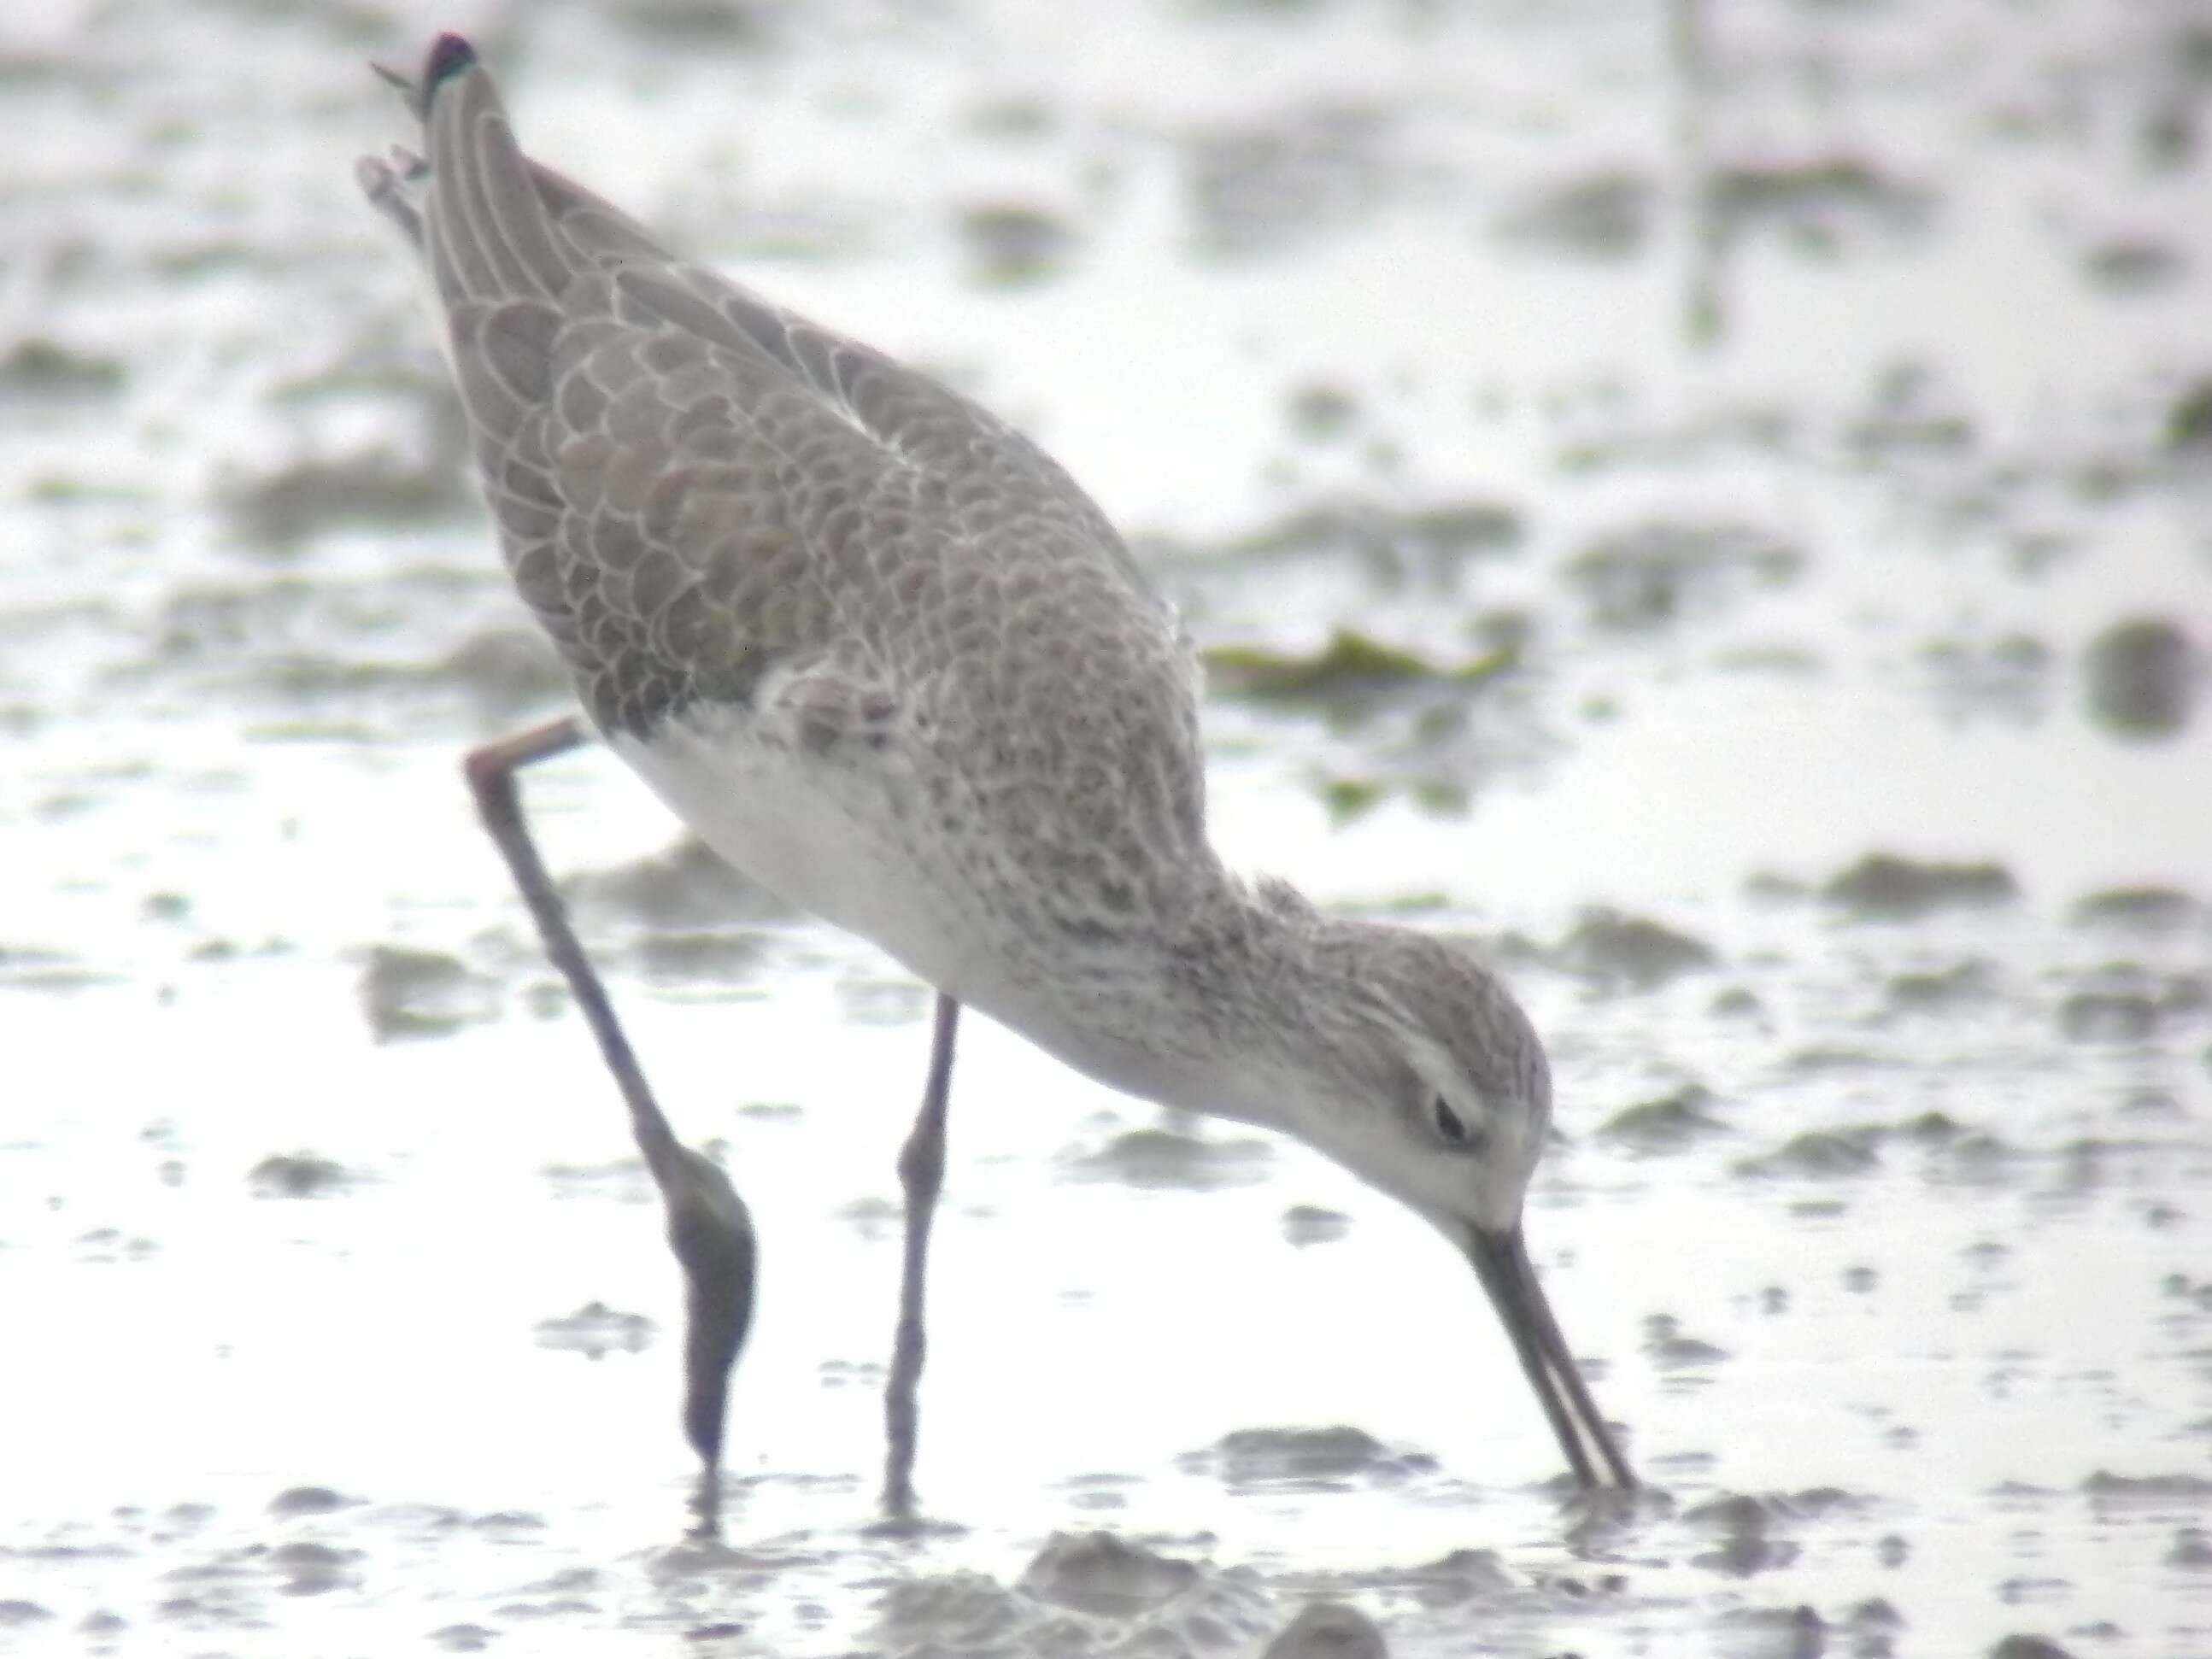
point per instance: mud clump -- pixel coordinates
(407, 994)
(1328, 1630)
(1100, 1574)
(1942, 991)
(1624, 952)
(1393, 544)
(1650, 576)
(1304, 1459)
(686, 888)
(299, 1175)
(285, 508)
(1311, 1224)
(1274, 183)
(296, 1501)
(1820, 202)
(1013, 244)
(307, 1568)
(1321, 410)
(1669, 1350)
(1350, 666)
(42, 369)
(2128, 1003)
(2156, 910)
(504, 670)
(1156, 1160)
(1746, 1529)
(1668, 1124)
(2141, 678)
(1884, 887)
(2188, 422)
(1605, 214)
(1818, 1153)
(596, 1330)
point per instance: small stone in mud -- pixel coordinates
(1014, 242)
(2029, 1647)
(1328, 1630)
(1309, 1223)
(1159, 1159)
(1304, 1460)
(1882, 886)
(1737, 1002)
(1320, 410)
(773, 1111)
(164, 907)
(1618, 951)
(1099, 1574)
(466, 1639)
(407, 994)
(2188, 422)
(1348, 798)
(872, 1217)
(1667, 1124)
(299, 1174)
(1670, 1351)
(595, 1329)
(2141, 676)
(686, 887)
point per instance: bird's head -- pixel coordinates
(1433, 1087)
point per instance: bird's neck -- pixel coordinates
(1214, 1013)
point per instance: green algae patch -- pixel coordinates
(1351, 665)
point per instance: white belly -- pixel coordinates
(836, 837)
(827, 836)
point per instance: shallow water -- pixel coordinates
(1762, 496)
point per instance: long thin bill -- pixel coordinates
(1501, 1262)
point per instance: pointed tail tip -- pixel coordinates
(449, 57)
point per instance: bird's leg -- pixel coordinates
(921, 1174)
(708, 1228)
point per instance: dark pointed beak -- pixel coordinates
(1501, 1262)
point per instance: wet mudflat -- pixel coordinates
(1718, 518)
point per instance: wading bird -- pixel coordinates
(886, 659)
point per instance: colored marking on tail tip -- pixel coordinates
(451, 56)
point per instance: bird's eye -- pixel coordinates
(1452, 1126)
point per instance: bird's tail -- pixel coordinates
(509, 224)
